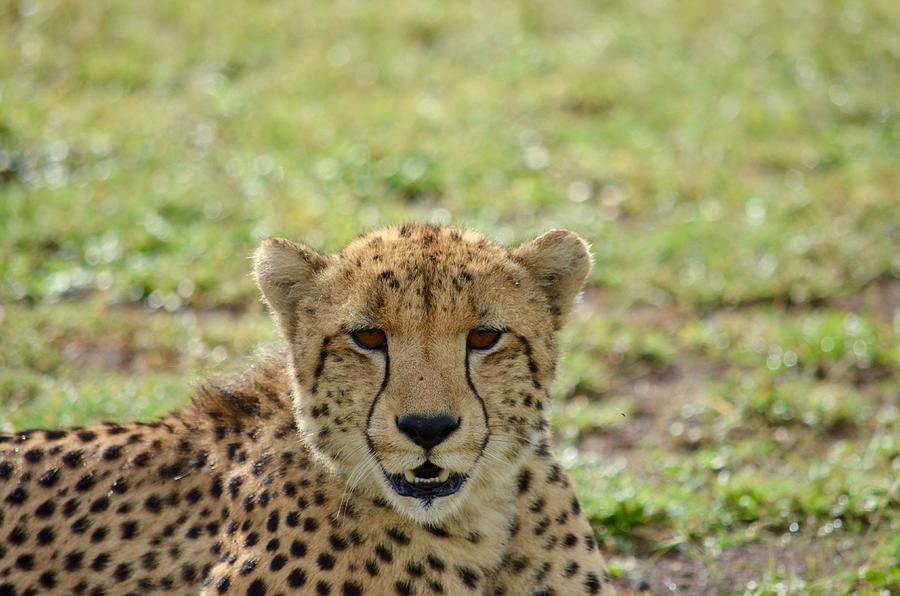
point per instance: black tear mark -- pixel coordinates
(532, 365)
(320, 367)
(384, 382)
(484, 411)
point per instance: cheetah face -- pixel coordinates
(422, 356)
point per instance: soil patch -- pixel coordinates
(735, 569)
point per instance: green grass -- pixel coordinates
(733, 371)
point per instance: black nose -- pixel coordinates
(427, 431)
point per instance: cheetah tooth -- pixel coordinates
(444, 475)
(410, 477)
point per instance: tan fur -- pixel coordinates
(274, 480)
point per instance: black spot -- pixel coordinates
(415, 569)
(325, 561)
(234, 485)
(591, 583)
(18, 535)
(73, 458)
(555, 475)
(215, 488)
(150, 560)
(257, 588)
(298, 549)
(296, 578)
(351, 589)
(278, 562)
(272, 521)
(468, 576)
(85, 483)
(99, 534)
(542, 526)
(112, 453)
(45, 536)
(34, 456)
(248, 566)
(100, 505)
(153, 504)
(188, 573)
(47, 580)
(81, 525)
(272, 545)
(17, 496)
(323, 588)
(437, 531)
(372, 567)
(223, 584)
(524, 480)
(70, 507)
(398, 536)
(337, 543)
(25, 562)
(49, 478)
(45, 509)
(86, 436)
(6, 470)
(403, 587)
(249, 503)
(193, 495)
(384, 553)
(435, 563)
(101, 561)
(73, 561)
(310, 524)
(129, 530)
(119, 486)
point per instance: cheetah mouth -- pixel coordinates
(428, 481)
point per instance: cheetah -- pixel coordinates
(396, 442)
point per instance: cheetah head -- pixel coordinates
(421, 356)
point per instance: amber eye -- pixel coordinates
(370, 339)
(482, 339)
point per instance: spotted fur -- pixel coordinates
(274, 480)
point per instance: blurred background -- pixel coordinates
(728, 404)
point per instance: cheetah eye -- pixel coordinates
(370, 339)
(482, 339)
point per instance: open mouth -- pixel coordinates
(428, 481)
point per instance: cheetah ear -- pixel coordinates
(284, 271)
(559, 260)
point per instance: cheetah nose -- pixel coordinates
(427, 431)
